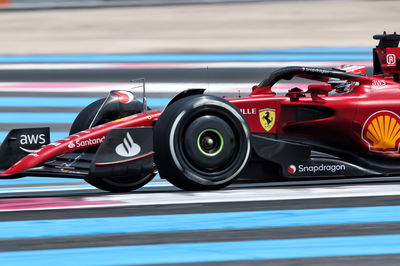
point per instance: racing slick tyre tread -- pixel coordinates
(108, 182)
(117, 185)
(201, 142)
(85, 117)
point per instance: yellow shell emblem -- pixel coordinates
(267, 118)
(382, 132)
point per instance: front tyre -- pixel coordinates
(84, 119)
(201, 143)
(108, 181)
(121, 184)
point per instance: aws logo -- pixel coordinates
(31, 140)
(382, 132)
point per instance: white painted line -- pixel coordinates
(257, 194)
(19, 190)
(245, 88)
(200, 65)
(233, 195)
(46, 189)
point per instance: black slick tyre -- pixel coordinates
(202, 142)
(120, 184)
(108, 182)
(85, 117)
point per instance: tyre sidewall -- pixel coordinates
(176, 118)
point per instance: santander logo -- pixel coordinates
(128, 148)
(125, 96)
(291, 169)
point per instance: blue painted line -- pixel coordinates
(65, 101)
(24, 117)
(156, 102)
(209, 252)
(47, 188)
(45, 101)
(31, 118)
(54, 136)
(29, 180)
(206, 221)
(35, 180)
(184, 58)
(48, 181)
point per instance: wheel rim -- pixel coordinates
(209, 145)
(210, 142)
(177, 163)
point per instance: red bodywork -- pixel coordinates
(350, 114)
(84, 139)
(365, 120)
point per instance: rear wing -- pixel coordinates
(386, 55)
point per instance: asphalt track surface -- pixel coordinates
(45, 221)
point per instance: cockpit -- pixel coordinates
(331, 82)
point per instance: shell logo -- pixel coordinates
(382, 132)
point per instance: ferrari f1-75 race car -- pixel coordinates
(346, 124)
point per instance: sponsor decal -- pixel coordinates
(391, 59)
(27, 150)
(316, 70)
(124, 96)
(353, 69)
(55, 144)
(316, 168)
(128, 148)
(249, 111)
(31, 139)
(291, 169)
(88, 142)
(267, 118)
(122, 119)
(378, 84)
(381, 131)
(71, 145)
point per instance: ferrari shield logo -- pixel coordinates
(267, 118)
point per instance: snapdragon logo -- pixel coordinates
(316, 168)
(291, 169)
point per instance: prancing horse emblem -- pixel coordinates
(267, 118)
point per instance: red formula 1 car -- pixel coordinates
(346, 125)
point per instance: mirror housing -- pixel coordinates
(318, 89)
